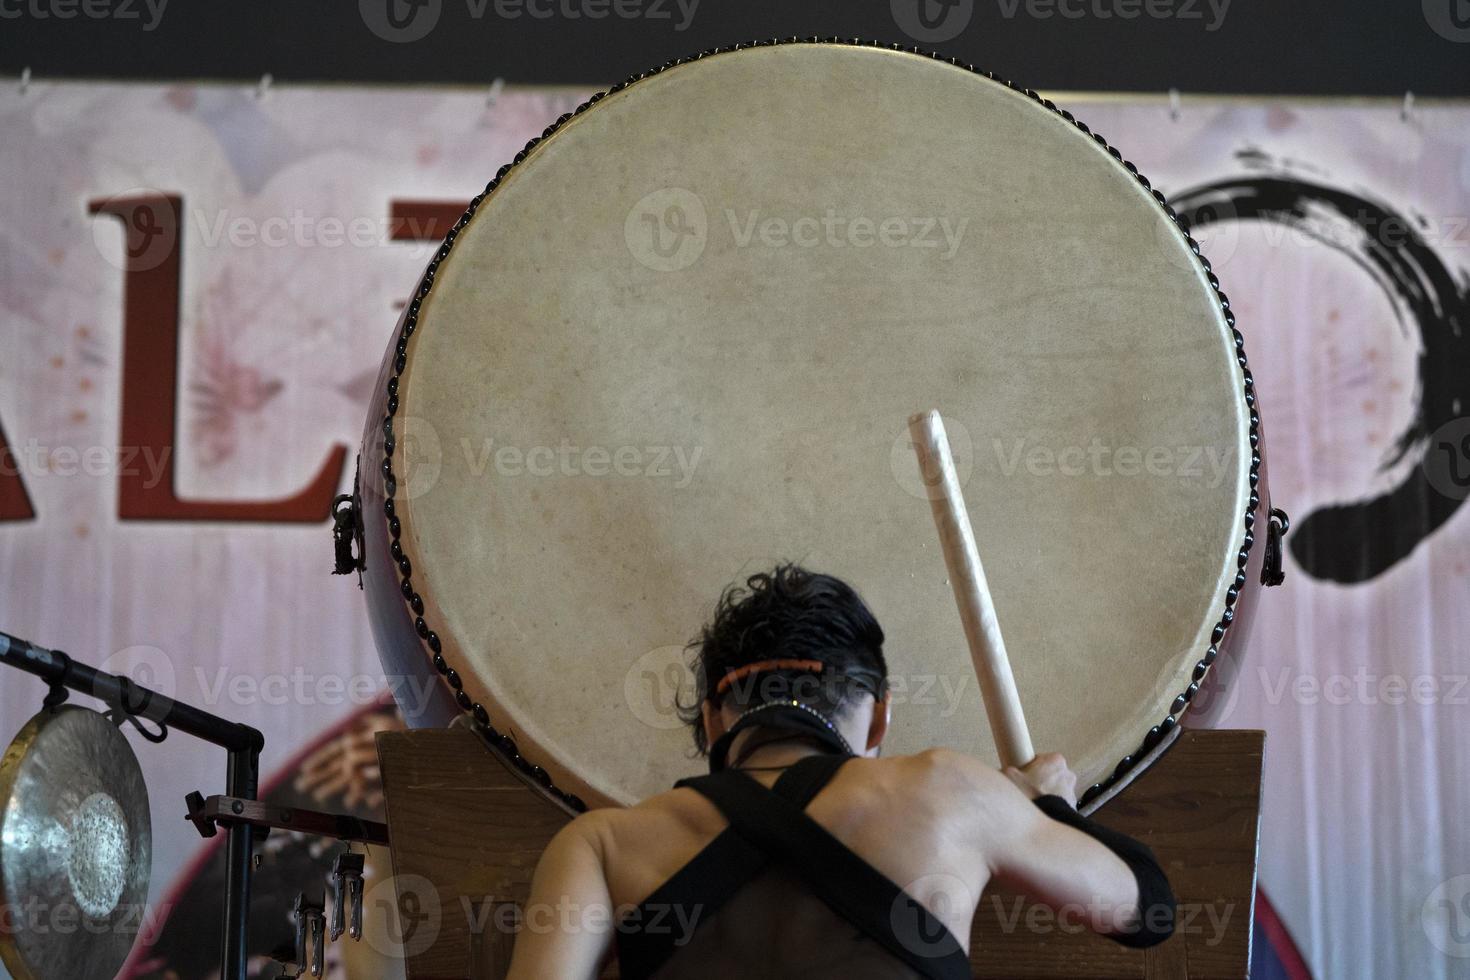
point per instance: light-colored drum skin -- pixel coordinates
(679, 341)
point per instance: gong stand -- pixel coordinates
(208, 815)
(228, 811)
(135, 703)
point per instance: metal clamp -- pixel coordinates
(347, 896)
(206, 814)
(347, 533)
(311, 947)
(1271, 571)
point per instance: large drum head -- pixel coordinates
(681, 340)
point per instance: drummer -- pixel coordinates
(806, 853)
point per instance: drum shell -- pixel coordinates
(424, 696)
(1238, 638)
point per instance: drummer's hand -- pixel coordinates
(1045, 775)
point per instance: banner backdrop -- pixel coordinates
(175, 427)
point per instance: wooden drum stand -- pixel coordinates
(462, 818)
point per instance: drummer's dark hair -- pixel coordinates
(788, 613)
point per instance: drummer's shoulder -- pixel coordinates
(656, 814)
(589, 826)
(950, 770)
(598, 829)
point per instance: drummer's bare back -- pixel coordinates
(940, 824)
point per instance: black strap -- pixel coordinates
(850, 886)
(697, 891)
(805, 778)
(1156, 905)
(713, 876)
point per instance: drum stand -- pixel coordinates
(469, 825)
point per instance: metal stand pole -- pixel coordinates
(241, 781)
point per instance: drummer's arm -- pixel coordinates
(1035, 842)
(566, 926)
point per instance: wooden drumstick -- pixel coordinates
(967, 577)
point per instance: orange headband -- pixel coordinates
(731, 676)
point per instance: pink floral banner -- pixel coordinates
(176, 421)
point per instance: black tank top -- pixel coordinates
(776, 895)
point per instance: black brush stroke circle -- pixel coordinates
(1355, 542)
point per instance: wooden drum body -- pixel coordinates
(679, 339)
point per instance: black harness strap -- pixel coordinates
(776, 823)
(713, 876)
(806, 777)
